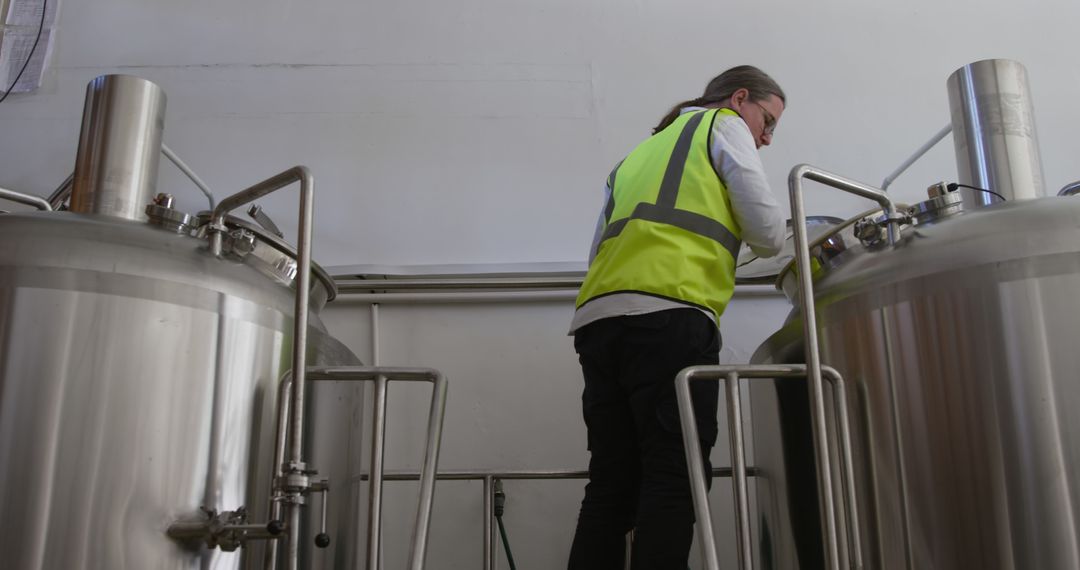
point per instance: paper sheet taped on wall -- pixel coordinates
(20, 31)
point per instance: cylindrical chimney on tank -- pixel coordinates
(993, 123)
(119, 147)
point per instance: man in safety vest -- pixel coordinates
(661, 272)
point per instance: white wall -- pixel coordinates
(473, 131)
(477, 131)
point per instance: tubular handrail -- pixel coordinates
(217, 228)
(381, 375)
(695, 464)
(1070, 189)
(805, 277)
(492, 476)
(28, 199)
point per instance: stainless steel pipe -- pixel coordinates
(378, 455)
(1070, 189)
(116, 166)
(738, 466)
(847, 465)
(994, 134)
(733, 374)
(28, 199)
(916, 156)
(169, 154)
(519, 475)
(491, 477)
(284, 410)
(806, 302)
(62, 192)
(303, 281)
(840, 183)
(300, 308)
(431, 451)
(489, 528)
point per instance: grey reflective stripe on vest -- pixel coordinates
(669, 188)
(609, 208)
(690, 221)
(664, 211)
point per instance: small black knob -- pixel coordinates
(275, 527)
(322, 540)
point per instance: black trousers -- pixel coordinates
(637, 471)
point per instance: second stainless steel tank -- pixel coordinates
(958, 347)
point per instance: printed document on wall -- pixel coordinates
(20, 33)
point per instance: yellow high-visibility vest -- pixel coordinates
(669, 231)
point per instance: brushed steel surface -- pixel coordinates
(138, 380)
(119, 147)
(958, 344)
(994, 134)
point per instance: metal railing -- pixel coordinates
(732, 375)
(28, 199)
(483, 289)
(492, 477)
(380, 376)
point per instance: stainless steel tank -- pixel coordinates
(957, 345)
(139, 378)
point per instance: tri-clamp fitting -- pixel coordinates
(295, 484)
(227, 530)
(872, 231)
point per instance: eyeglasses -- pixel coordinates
(770, 120)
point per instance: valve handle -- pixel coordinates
(275, 527)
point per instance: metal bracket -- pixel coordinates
(256, 212)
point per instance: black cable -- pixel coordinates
(752, 259)
(33, 48)
(506, 544)
(954, 185)
(500, 508)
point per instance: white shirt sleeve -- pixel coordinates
(753, 204)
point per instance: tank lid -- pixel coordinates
(266, 251)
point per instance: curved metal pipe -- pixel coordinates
(913, 158)
(303, 281)
(696, 466)
(381, 375)
(28, 199)
(169, 154)
(732, 374)
(300, 309)
(809, 315)
(62, 192)
(1070, 189)
(840, 183)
